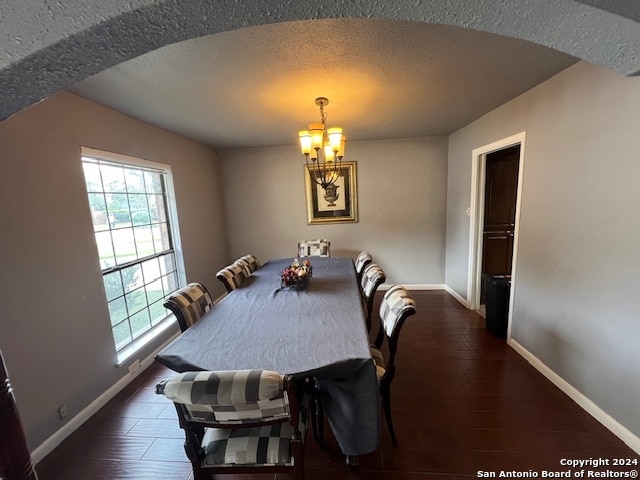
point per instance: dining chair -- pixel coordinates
(249, 263)
(232, 276)
(372, 277)
(189, 303)
(240, 421)
(363, 259)
(396, 306)
(318, 247)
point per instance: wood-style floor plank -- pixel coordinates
(462, 402)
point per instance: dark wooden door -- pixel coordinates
(500, 195)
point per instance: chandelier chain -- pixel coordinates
(323, 115)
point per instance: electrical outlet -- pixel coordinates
(134, 366)
(62, 411)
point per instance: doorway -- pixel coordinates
(495, 207)
(499, 213)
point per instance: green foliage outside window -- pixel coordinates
(129, 212)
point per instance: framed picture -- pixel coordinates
(337, 208)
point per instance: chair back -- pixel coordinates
(189, 303)
(232, 276)
(396, 306)
(318, 247)
(249, 263)
(232, 397)
(372, 277)
(364, 258)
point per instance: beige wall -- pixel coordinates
(577, 282)
(54, 326)
(401, 197)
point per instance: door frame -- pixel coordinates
(476, 220)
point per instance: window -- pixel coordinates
(135, 229)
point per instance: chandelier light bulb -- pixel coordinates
(335, 138)
(305, 141)
(329, 154)
(317, 135)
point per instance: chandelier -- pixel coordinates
(323, 149)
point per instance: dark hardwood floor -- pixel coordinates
(462, 402)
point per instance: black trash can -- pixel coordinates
(497, 289)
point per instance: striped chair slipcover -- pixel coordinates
(364, 258)
(189, 303)
(232, 276)
(249, 263)
(239, 421)
(372, 277)
(319, 247)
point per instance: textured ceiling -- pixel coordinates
(256, 86)
(49, 46)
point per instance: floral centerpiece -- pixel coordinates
(296, 275)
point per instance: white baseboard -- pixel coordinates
(430, 286)
(455, 295)
(72, 425)
(415, 286)
(588, 405)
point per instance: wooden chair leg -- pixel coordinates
(299, 469)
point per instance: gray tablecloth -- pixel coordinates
(319, 331)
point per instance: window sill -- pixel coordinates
(131, 350)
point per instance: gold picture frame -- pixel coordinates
(344, 209)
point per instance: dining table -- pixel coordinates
(318, 331)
